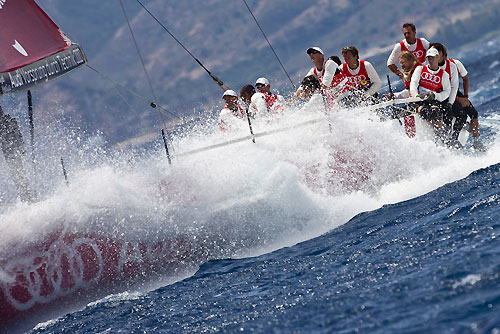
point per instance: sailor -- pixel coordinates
(231, 115)
(467, 107)
(361, 75)
(246, 93)
(433, 85)
(309, 87)
(461, 106)
(323, 70)
(417, 46)
(12, 145)
(408, 62)
(264, 102)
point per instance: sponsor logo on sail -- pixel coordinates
(2, 3)
(19, 47)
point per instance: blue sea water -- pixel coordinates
(425, 265)
(416, 250)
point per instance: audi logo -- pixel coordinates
(44, 276)
(357, 80)
(418, 53)
(431, 77)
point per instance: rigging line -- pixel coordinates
(219, 82)
(142, 62)
(160, 108)
(262, 31)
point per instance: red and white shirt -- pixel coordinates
(229, 119)
(425, 80)
(450, 67)
(262, 104)
(325, 76)
(419, 48)
(364, 73)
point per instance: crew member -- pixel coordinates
(12, 145)
(417, 46)
(232, 114)
(361, 74)
(309, 87)
(467, 107)
(327, 72)
(408, 62)
(433, 85)
(246, 93)
(323, 70)
(461, 106)
(264, 102)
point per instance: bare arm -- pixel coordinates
(396, 71)
(393, 60)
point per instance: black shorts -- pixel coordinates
(432, 111)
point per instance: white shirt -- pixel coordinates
(329, 68)
(454, 81)
(415, 88)
(405, 93)
(461, 68)
(227, 120)
(396, 51)
(375, 81)
(258, 106)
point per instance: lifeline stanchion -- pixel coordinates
(250, 125)
(394, 114)
(166, 146)
(32, 137)
(64, 172)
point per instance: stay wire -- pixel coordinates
(159, 107)
(219, 82)
(262, 31)
(142, 62)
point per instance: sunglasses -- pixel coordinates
(259, 86)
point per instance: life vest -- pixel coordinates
(321, 74)
(336, 78)
(430, 81)
(448, 67)
(356, 80)
(419, 51)
(271, 104)
(240, 113)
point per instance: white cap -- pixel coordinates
(262, 81)
(432, 52)
(229, 92)
(315, 48)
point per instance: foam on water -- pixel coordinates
(246, 198)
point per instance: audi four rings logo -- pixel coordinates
(431, 77)
(357, 79)
(418, 53)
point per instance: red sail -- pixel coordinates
(32, 48)
(27, 34)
